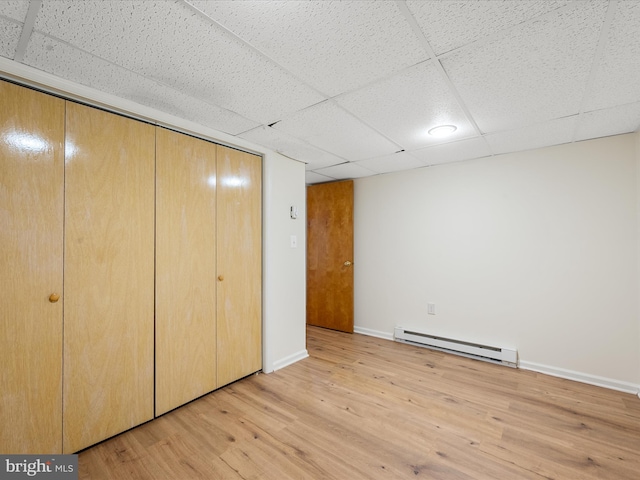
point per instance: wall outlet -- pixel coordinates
(431, 308)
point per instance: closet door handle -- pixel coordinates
(54, 297)
(220, 277)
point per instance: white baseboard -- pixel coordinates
(373, 333)
(291, 359)
(582, 377)
(612, 384)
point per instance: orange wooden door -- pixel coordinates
(330, 255)
(185, 269)
(239, 259)
(109, 275)
(31, 236)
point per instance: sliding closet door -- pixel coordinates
(239, 256)
(185, 269)
(31, 235)
(109, 275)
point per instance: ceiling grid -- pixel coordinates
(351, 88)
(597, 58)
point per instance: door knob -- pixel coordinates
(220, 277)
(347, 263)
(54, 297)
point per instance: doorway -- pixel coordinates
(330, 255)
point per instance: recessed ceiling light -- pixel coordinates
(442, 130)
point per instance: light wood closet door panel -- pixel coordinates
(31, 236)
(239, 242)
(109, 275)
(185, 269)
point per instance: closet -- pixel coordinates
(108, 275)
(185, 269)
(239, 264)
(208, 267)
(131, 260)
(31, 248)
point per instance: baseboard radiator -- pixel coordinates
(500, 355)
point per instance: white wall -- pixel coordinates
(284, 277)
(536, 250)
(638, 228)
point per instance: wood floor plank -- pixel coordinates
(365, 408)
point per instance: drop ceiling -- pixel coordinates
(351, 88)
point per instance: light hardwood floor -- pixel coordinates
(365, 408)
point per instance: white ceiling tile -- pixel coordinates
(452, 24)
(617, 76)
(9, 38)
(336, 46)
(453, 152)
(172, 44)
(546, 134)
(291, 147)
(610, 121)
(405, 106)
(236, 66)
(313, 177)
(330, 128)
(14, 9)
(345, 171)
(391, 163)
(534, 73)
(63, 60)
